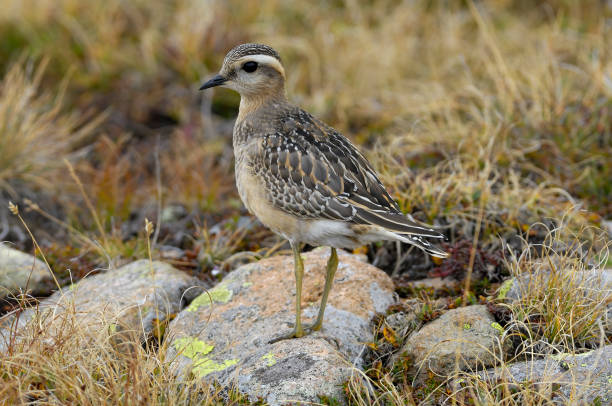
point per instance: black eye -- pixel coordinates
(250, 67)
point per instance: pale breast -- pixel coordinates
(253, 196)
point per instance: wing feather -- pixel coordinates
(312, 171)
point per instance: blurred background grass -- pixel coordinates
(498, 110)
(491, 120)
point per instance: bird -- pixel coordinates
(303, 179)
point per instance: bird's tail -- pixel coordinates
(422, 243)
(414, 239)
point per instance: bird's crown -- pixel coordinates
(243, 50)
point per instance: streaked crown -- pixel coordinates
(243, 50)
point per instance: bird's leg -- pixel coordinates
(299, 274)
(332, 265)
(298, 331)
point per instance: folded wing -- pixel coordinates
(312, 171)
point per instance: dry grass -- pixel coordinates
(35, 131)
(94, 366)
(562, 299)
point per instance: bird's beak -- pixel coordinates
(216, 81)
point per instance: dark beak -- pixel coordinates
(216, 81)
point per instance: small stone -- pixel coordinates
(135, 298)
(436, 284)
(169, 252)
(223, 336)
(608, 226)
(21, 272)
(467, 335)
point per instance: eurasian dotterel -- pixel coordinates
(303, 179)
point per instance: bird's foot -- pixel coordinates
(316, 326)
(295, 333)
(305, 330)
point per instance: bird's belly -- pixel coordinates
(253, 196)
(338, 234)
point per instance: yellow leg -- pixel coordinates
(332, 265)
(298, 331)
(299, 275)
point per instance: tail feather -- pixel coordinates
(416, 240)
(396, 223)
(423, 244)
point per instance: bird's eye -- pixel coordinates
(250, 67)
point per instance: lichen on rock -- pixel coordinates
(226, 339)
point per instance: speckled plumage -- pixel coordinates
(312, 172)
(303, 179)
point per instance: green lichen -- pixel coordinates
(247, 284)
(219, 294)
(207, 366)
(505, 288)
(269, 357)
(196, 350)
(192, 347)
(497, 327)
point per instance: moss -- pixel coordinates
(219, 294)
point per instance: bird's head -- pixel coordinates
(251, 70)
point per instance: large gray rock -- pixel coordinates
(567, 379)
(135, 298)
(467, 338)
(228, 341)
(21, 272)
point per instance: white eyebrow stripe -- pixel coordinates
(264, 60)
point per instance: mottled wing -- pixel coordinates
(312, 171)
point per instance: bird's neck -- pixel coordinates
(250, 104)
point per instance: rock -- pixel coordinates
(568, 379)
(21, 272)
(607, 224)
(436, 284)
(595, 283)
(228, 341)
(133, 298)
(468, 335)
